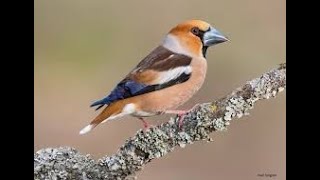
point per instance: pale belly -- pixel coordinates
(167, 100)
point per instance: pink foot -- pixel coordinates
(181, 114)
(181, 117)
(145, 124)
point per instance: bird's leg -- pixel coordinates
(145, 123)
(181, 114)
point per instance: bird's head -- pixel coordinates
(193, 38)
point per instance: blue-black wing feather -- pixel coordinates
(125, 89)
(130, 88)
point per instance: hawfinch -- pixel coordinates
(165, 79)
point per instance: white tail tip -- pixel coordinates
(86, 129)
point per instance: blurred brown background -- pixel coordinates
(83, 48)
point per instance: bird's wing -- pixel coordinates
(162, 68)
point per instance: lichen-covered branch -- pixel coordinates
(137, 151)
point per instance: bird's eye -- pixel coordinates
(195, 31)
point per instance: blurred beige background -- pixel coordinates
(83, 48)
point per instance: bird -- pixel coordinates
(165, 79)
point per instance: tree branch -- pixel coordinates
(68, 163)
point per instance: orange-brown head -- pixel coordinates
(193, 37)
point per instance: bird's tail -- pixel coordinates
(110, 112)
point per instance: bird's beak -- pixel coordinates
(213, 37)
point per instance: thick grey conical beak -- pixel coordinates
(213, 37)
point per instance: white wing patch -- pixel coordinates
(171, 74)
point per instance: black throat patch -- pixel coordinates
(204, 48)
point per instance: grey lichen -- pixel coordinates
(137, 151)
(62, 163)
